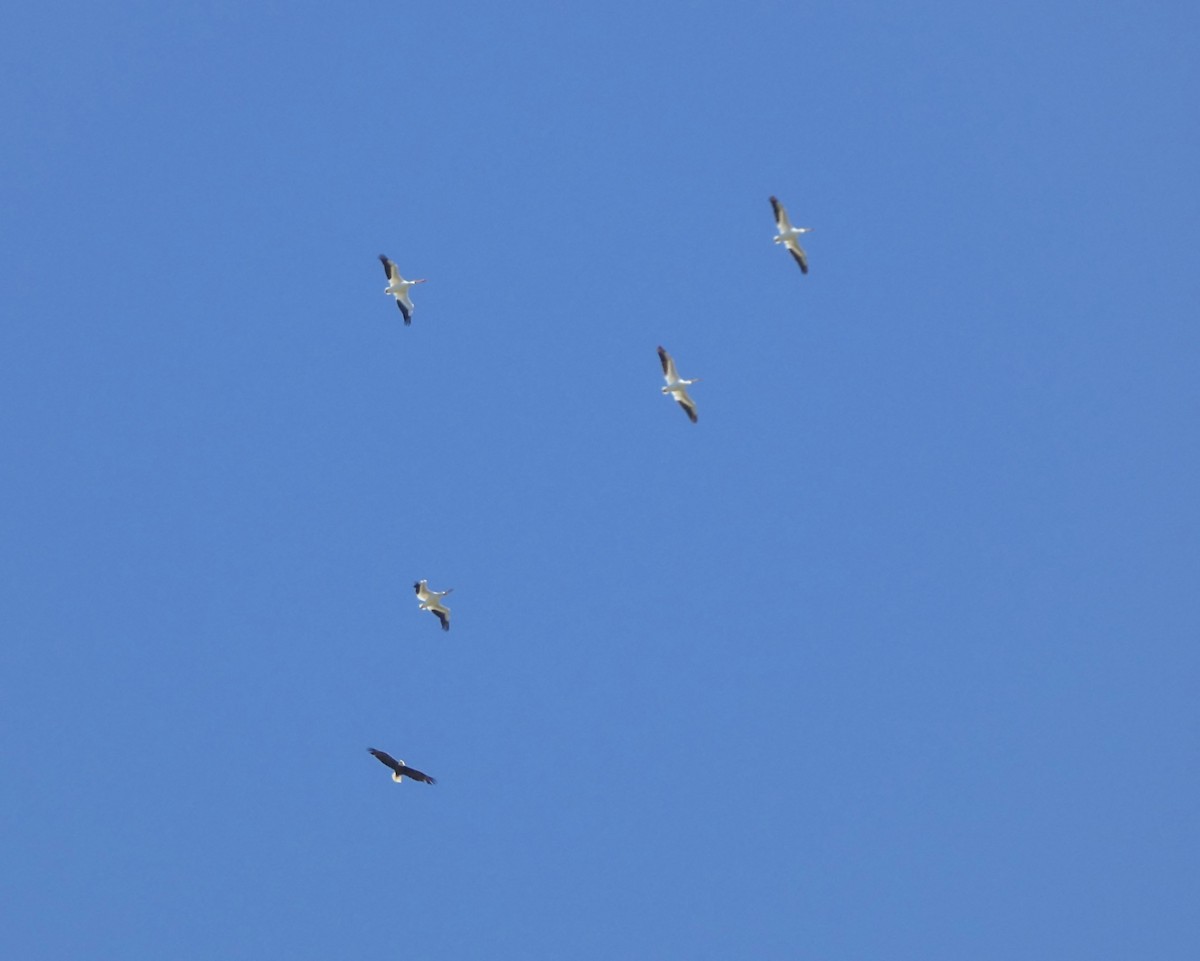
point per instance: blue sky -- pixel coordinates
(892, 655)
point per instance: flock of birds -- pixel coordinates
(676, 387)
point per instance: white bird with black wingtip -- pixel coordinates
(432, 601)
(787, 235)
(398, 287)
(677, 386)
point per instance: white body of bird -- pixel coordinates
(787, 235)
(432, 601)
(398, 287)
(677, 386)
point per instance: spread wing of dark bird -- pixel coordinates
(387, 759)
(416, 775)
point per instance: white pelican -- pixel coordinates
(399, 770)
(398, 288)
(432, 601)
(677, 386)
(787, 234)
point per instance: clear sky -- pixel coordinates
(893, 655)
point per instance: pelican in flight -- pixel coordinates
(788, 234)
(398, 288)
(399, 770)
(677, 386)
(432, 601)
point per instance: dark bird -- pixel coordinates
(399, 770)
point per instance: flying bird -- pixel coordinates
(398, 288)
(432, 601)
(787, 234)
(399, 769)
(677, 386)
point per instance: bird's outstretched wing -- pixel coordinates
(388, 266)
(668, 366)
(781, 217)
(387, 759)
(688, 406)
(416, 775)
